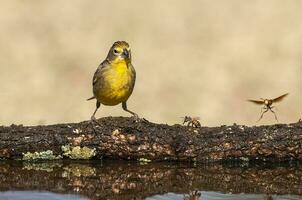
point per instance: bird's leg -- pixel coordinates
(266, 109)
(93, 119)
(98, 104)
(274, 113)
(124, 105)
(189, 123)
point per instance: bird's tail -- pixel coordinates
(90, 98)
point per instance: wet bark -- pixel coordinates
(122, 138)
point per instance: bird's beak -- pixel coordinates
(126, 53)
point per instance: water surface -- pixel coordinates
(79, 180)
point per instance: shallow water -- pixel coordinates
(70, 180)
(33, 195)
(220, 196)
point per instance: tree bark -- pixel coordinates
(122, 138)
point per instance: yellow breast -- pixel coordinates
(118, 84)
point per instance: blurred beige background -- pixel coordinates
(198, 58)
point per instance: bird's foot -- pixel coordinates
(94, 124)
(94, 120)
(136, 118)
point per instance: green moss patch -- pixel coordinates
(43, 155)
(78, 152)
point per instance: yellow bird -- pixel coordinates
(114, 79)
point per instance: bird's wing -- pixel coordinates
(279, 98)
(96, 75)
(98, 79)
(134, 74)
(259, 102)
(95, 79)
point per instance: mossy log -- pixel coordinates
(122, 138)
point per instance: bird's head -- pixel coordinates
(120, 51)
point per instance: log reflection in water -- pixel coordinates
(124, 180)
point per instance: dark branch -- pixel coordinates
(122, 138)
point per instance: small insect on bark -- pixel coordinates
(192, 121)
(267, 105)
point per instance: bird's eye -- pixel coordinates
(115, 51)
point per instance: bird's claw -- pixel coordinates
(136, 118)
(93, 119)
